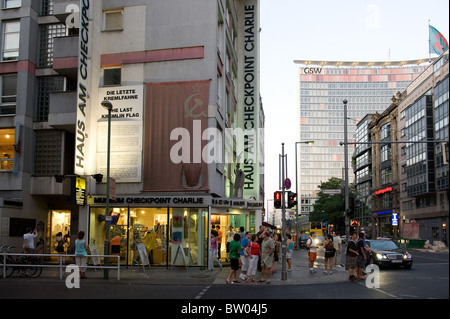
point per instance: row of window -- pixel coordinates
(353, 85)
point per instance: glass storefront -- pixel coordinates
(237, 220)
(163, 231)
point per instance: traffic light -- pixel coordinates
(277, 199)
(292, 199)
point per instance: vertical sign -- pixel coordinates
(79, 190)
(248, 105)
(83, 104)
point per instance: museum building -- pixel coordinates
(184, 127)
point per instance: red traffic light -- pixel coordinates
(277, 199)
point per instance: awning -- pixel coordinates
(269, 225)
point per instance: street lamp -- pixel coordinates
(296, 191)
(108, 106)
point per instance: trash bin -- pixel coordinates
(415, 243)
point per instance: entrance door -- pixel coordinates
(59, 221)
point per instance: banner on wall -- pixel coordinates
(126, 133)
(177, 114)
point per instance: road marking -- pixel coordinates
(382, 291)
(201, 293)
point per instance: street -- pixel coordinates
(428, 279)
(209, 296)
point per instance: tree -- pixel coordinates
(329, 208)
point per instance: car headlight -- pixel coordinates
(381, 256)
(316, 241)
(406, 255)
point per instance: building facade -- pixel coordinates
(401, 173)
(323, 85)
(186, 139)
(385, 181)
(424, 172)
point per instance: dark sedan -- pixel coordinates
(387, 253)
(303, 239)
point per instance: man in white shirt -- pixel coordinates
(312, 251)
(28, 241)
(337, 242)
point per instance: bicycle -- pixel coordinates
(32, 269)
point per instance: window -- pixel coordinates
(47, 85)
(48, 153)
(11, 35)
(385, 131)
(48, 33)
(8, 94)
(12, 4)
(113, 20)
(112, 76)
(7, 137)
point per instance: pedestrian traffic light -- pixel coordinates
(292, 199)
(277, 199)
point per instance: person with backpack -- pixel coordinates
(58, 244)
(329, 254)
(312, 252)
(361, 260)
(351, 255)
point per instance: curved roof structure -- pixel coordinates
(363, 63)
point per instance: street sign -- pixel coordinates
(287, 183)
(394, 219)
(331, 191)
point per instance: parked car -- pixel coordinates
(387, 253)
(303, 239)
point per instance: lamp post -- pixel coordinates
(296, 191)
(108, 106)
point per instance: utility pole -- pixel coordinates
(283, 159)
(346, 190)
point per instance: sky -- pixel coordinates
(348, 30)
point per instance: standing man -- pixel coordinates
(260, 238)
(337, 242)
(352, 255)
(219, 241)
(230, 235)
(312, 252)
(28, 241)
(267, 250)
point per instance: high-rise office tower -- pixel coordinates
(323, 85)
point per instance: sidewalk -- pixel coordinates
(300, 272)
(199, 276)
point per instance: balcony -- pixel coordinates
(47, 186)
(62, 8)
(62, 111)
(65, 58)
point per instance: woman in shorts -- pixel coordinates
(289, 250)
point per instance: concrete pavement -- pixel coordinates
(199, 276)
